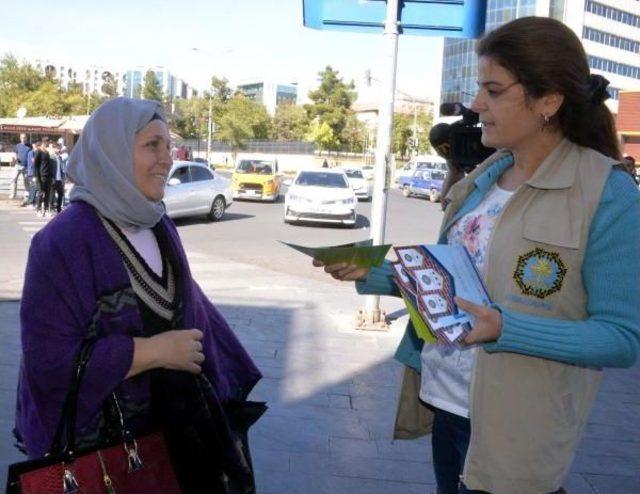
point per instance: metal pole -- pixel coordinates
(372, 317)
(209, 131)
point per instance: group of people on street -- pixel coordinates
(550, 219)
(42, 168)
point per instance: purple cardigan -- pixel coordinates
(72, 263)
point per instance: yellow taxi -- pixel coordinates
(257, 179)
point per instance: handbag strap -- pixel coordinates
(69, 409)
(67, 423)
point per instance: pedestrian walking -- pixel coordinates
(33, 183)
(553, 226)
(112, 269)
(57, 178)
(42, 171)
(20, 168)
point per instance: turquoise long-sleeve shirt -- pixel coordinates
(610, 336)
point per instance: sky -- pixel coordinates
(239, 40)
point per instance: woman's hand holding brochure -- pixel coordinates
(343, 271)
(487, 324)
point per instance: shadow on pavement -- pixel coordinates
(332, 394)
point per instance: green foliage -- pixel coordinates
(22, 85)
(354, 134)
(243, 119)
(151, 88)
(322, 134)
(402, 133)
(109, 85)
(290, 123)
(190, 118)
(331, 105)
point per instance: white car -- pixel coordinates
(323, 196)
(360, 185)
(193, 189)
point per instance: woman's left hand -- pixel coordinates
(487, 325)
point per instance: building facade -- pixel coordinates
(609, 30)
(105, 80)
(270, 94)
(90, 79)
(172, 87)
(628, 123)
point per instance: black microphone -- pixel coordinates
(453, 109)
(469, 117)
(439, 137)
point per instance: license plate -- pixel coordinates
(251, 192)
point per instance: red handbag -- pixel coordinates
(134, 466)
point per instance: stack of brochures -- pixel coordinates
(429, 277)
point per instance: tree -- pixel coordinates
(322, 134)
(17, 81)
(353, 134)
(220, 88)
(290, 123)
(151, 88)
(190, 118)
(243, 119)
(332, 102)
(109, 85)
(401, 133)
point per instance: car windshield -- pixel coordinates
(353, 173)
(261, 167)
(319, 179)
(437, 175)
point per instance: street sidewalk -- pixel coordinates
(332, 392)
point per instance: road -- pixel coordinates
(250, 233)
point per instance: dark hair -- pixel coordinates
(545, 56)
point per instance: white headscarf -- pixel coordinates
(101, 163)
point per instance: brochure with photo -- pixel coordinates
(429, 278)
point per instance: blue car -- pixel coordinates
(425, 183)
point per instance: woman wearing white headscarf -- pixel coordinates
(112, 266)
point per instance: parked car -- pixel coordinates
(257, 179)
(427, 183)
(360, 185)
(205, 162)
(193, 189)
(367, 172)
(323, 196)
(421, 162)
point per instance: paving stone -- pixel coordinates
(353, 447)
(577, 484)
(613, 484)
(596, 463)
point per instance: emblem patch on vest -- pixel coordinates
(539, 273)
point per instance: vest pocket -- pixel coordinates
(553, 218)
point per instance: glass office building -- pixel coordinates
(609, 29)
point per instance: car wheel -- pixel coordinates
(217, 209)
(406, 191)
(434, 196)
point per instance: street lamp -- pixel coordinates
(210, 123)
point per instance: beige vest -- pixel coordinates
(527, 413)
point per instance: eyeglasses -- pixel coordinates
(493, 94)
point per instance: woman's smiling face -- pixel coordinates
(152, 159)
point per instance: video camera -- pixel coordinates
(460, 142)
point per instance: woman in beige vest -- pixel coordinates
(554, 230)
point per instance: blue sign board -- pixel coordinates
(450, 18)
